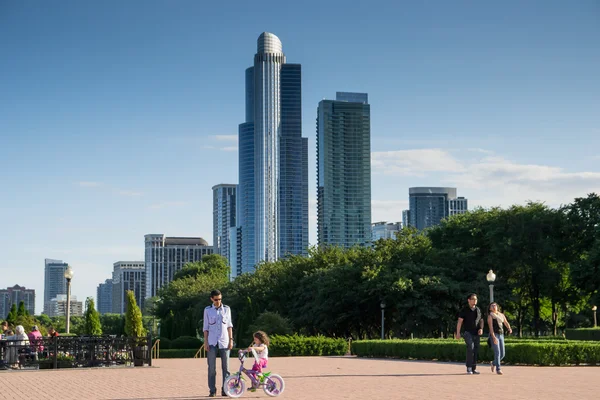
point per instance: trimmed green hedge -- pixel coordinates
(186, 342)
(583, 334)
(281, 346)
(307, 346)
(177, 353)
(529, 353)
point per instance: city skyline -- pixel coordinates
(107, 141)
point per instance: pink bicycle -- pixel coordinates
(235, 384)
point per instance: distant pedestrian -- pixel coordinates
(496, 322)
(471, 319)
(218, 338)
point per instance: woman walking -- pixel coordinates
(496, 323)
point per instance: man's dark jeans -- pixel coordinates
(472, 342)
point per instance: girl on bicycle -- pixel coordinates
(261, 347)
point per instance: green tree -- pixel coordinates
(134, 326)
(272, 323)
(12, 314)
(92, 326)
(113, 324)
(21, 312)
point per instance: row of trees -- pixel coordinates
(547, 263)
(90, 324)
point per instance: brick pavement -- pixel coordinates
(311, 378)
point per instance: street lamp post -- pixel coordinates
(491, 277)
(382, 305)
(594, 310)
(68, 277)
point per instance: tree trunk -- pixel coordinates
(536, 310)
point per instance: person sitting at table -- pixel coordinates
(36, 341)
(15, 343)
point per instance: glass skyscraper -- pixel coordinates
(224, 210)
(344, 171)
(273, 160)
(430, 205)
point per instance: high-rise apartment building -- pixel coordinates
(457, 206)
(104, 296)
(405, 218)
(273, 160)
(16, 295)
(224, 210)
(57, 307)
(385, 230)
(344, 170)
(54, 281)
(128, 275)
(164, 256)
(430, 205)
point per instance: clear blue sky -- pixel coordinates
(117, 118)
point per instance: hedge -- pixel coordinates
(528, 353)
(186, 342)
(281, 346)
(177, 353)
(583, 334)
(285, 346)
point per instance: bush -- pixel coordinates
(165, 343)
(185, 342)
(583, 334)
(177, 353)
(307, 346)
(518, 352)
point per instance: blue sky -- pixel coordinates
(117, 118)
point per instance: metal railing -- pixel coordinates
(75, 352)
(201, 353)
(155, 352)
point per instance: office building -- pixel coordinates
(344, 171)
(385, 230)
(54, 281)
(430, 205)
(457, 206)
(16, 295)
(405, 218)
(57, 307)
(224, 210)
(273, 160)
(128, 275)
(164, 256)
(104, 297)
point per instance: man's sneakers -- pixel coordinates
(471, 371)
(476, 372)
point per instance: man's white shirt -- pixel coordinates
(216, 322)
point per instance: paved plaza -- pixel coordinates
(310, 378)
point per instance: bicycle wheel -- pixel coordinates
(274, 385)
(234, 386)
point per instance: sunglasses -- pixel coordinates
(219, 299)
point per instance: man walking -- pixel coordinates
(470, 317)
(218, 338)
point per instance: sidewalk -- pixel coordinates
(312, 378)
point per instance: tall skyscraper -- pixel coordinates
(16, 295)
(54, 280)
(128, 275)
(273, 160)
(430, 205)
(224, 210)
(104, 296)
(164, 256)
(384, 230)
(405, 218)
(344, 170)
